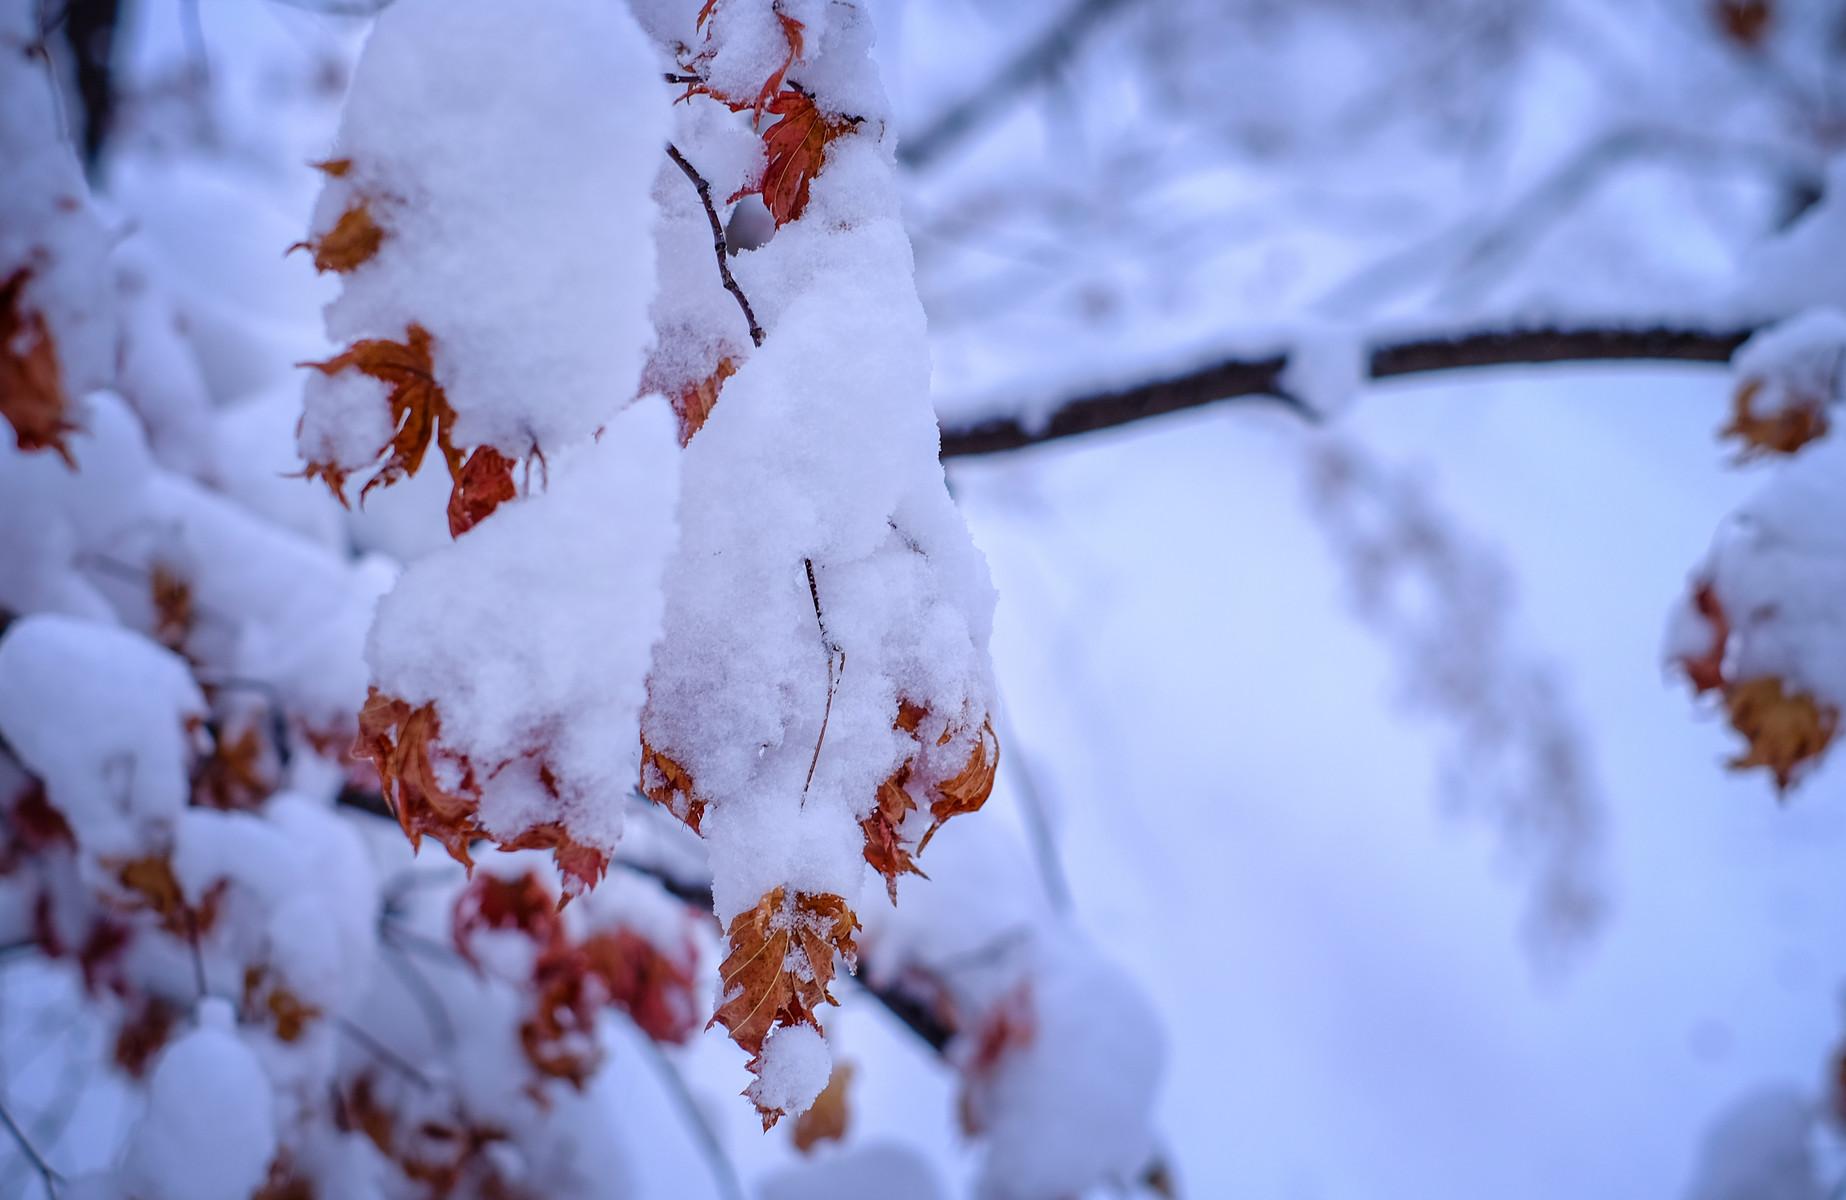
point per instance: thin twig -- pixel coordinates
(717, 241)
(46, 1172)
(382, 1052)
(833, 674)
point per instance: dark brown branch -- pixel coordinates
(717, 241)
(1261, 378)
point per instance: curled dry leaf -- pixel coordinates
(792, 34)
(152, 886)
(405, 745)
(1706, 671)
(827, 1119)
(287, 1014)
(967, 790)
(779, 967)
(420, 411)
(143, 1033)
(233, 776)
(171, 597)
(31, 388)
(522, 904)
(1783, 430)
(1010, 1025)
(559, 1037)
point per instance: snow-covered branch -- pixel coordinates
(1262, 377)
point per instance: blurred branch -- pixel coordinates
(1261, 378)
(46, 1173)
(1031, 64)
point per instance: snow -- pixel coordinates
(103, 716)
(209, 1132)
(567, 679)
(793, 1070)
(471, 126)
(1795, 364)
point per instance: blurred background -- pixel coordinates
(1343, 726)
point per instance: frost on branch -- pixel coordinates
(459, 327)
(819, 698)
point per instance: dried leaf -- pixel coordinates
(420, 411)
(792, 33)
(795, 148)
(172, 600)
(658, 992)
(1797, 422)
(559, 1038)
(352, 242)
(968, 789)
(401, 742)
(523, 904)
(828, 1117)
(1010, 1025)
(31, 388)
(1785, 729)
(233, 778)
(143, 1034)
(780, 963)
(670, 785)
(694, 403)
(485, 482)
(288, 1014)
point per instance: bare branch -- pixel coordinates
(717, 241)
(1261, 378)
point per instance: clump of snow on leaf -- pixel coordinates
(505, 152)
(794, 1067)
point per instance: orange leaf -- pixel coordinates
(828, 1117)
(694, 403)
(31, 387)
(420, 411)
(485, 482)
(352, 241)
(969, 788)
(1785, 729)
(796, 148)
(658, 992)
(670, 785)
(780, 963)
(489, 902)
(1009, 1026)
(1782, 432)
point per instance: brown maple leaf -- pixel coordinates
(288, 1014)
(792, 34)
(1785, 728)
(781, 962)
(967, 790)
(171, 596)
(559, 1038)
(523, 904)
(31, 387)
(485, 482)
(657, 991)
(233, 776)
(351, 243)
(795, 148)
(829, 1116)
(1010, 1025)
(693, 403)
(420, 411)
(670, 785)
(1785, 431)
(401, 742)
(143, 1033)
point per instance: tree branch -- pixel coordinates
(1261, 378)
(717, 241)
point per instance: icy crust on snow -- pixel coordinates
(102, 716)
(506, 151)
(792, 1070)
(532, 634)
(1778, 570)
(822, 449)
(47, 226)
(1795, 364)
(209, 1132)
